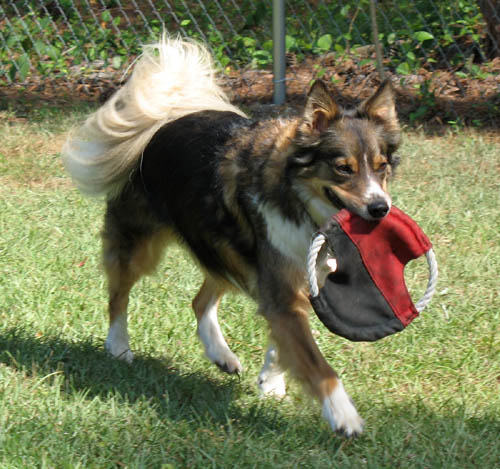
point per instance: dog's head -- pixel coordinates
(344, 158)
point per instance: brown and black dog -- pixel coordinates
(177, 162)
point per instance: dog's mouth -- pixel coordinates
(334, 198)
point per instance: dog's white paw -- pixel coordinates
(117, 341)
(119, 351)
(271, 378)
(272, 384)
(216, 348)
(341, 414)
(226, 360)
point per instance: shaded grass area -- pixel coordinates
(429, 395)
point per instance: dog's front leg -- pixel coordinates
(205, 307)
(271, 378)
(286, 312)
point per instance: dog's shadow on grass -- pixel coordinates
(202, 401)
(176, 394)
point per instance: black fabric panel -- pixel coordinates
(350, 304)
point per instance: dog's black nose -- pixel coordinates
(378, 209)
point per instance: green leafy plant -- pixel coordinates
(427, 101)
(413, 34)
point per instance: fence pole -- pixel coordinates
(279, 60)
(376, 40)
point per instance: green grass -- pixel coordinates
(429, 395)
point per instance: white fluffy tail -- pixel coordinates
(172, 78)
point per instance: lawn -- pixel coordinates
(430, 395)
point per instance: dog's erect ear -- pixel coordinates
(320, 107)
(381, 106)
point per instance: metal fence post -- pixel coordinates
(279, 61)
(376, 41)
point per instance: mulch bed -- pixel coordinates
(427, 98)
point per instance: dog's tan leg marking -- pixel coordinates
(299, 353)
(205, 307)
(271, 378)
(123, 268)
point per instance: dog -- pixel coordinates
(176, 161)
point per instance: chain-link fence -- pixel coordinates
(442, 55)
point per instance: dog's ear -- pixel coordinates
(381, 106)
(320, 108)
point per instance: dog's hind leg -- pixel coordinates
(205, 307)
(120, 281)
(129, 252)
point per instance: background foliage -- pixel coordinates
(52, 37)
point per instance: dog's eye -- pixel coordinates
(344, 169)
(382, 167)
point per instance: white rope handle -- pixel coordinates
(312, 256)
(431, 284)
(320, 239)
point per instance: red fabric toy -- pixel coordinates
(366, 298)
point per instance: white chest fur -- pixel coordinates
(289, 238)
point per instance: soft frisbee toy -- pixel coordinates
(364, 297)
